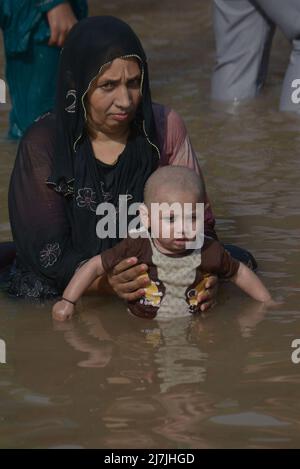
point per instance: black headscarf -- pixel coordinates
(77, 175)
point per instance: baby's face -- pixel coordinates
(176, 220)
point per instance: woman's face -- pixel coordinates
(114, 97)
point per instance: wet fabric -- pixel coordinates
(242, 255)
(26, 33)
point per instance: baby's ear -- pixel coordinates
(144, 215)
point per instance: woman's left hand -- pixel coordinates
(207, 297)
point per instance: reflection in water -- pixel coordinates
(167, 373)
(110, 380)
(178, 361)
(157, 384)
(97, 344)
(248, 419)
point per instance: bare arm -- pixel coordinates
(82, 279)
(251, 284)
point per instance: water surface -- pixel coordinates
(109, 380)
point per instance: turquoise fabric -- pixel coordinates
(31, 65)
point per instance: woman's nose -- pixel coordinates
(123, 99)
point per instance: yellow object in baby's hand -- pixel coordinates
(194, 292)
(152, 293)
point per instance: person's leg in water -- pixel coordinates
(286, 15)
(243, 36)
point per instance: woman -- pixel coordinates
(105, 138)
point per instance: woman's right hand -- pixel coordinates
(207, 297)
(126, 281)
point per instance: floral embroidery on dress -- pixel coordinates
(50, 254)
(63, 187)
(87, 198)
(106, 195)
(28, 285)
(33, 292)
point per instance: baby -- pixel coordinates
(169, 243)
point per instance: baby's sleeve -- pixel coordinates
(128, 247)
(228, 265)
(216, 260)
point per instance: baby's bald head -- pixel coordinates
(178, 179)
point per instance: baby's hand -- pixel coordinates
(62, 310)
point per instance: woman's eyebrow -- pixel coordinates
(134, 77)
(117, 80)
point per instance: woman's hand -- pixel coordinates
(61, 19)
(62, 310)
(125, 279)
(207, 297)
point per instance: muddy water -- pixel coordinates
(109, 380)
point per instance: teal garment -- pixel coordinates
(31, 65)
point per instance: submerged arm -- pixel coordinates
(251, 284)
